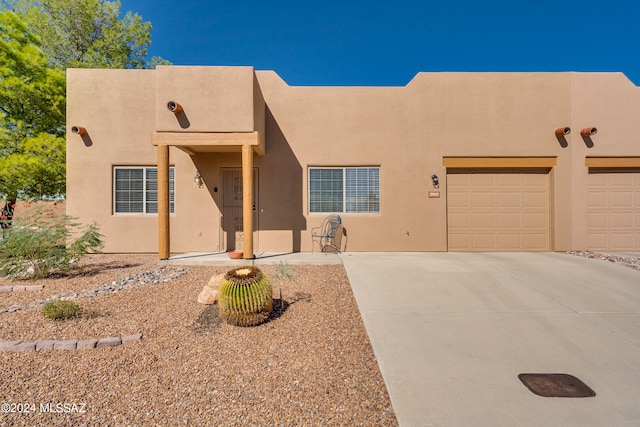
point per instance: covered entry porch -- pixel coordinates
(193, 143)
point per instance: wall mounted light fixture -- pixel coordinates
(174, 107)
(79, 130)
(563, 131)
(436, 183)
(588, 132)
(197, 180)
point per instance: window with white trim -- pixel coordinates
(344, 190)
(136, 190)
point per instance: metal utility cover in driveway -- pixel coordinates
(556, 385)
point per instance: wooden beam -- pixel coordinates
(209, 139)
(499, 162)
(164, 246)
(187, 150)
(612, 162)
(247, 200)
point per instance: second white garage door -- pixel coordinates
(614, 210)
(498, 210)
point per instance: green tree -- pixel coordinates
(88, 33)
(38, 41)
(32, 111)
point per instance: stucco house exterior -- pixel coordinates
(182, 159)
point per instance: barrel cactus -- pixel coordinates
(245, 298)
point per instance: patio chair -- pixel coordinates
(329, 235)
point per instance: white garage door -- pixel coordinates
(498, 211)
(614, 210)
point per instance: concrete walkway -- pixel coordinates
(451, 332)
(261, 258)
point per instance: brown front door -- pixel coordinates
(232, 207)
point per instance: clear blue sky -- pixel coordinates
(385, 43)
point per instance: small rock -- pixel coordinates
(4, 289)
(25, 346)
(45, 344)
(108, 342)
(8, 345)
(65, 345)
(86, 344)
(208, 296)
(214, 282)
(131, 338)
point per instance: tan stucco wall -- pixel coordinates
(213, 98)
(118, 110)
(611, 103)
(405, 130)
(408, 130)
(495, 114)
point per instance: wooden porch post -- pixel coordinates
(164, 246)
(247, 200)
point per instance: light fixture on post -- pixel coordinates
(586, 132)
(564, 131)
(197, 180)
(174, 107)
(78, 130)
(436, 183)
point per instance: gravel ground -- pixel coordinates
(312, 365)
(627, 261)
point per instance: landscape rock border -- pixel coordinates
(154, 276)
(17, 346)
(149, 277)
(5, 289)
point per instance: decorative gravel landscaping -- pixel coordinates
(310, 364)
(627, 261)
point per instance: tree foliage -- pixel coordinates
(88, 33)
(38, 41)
(32, 115)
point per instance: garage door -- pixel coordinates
(498, 211)
(614, 210)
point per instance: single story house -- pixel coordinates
(190, 158)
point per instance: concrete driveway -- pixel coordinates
(451, 332)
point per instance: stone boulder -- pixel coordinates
(215, 281)
(209, 294)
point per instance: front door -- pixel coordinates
(232, 226)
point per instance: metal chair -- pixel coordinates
(329, 235)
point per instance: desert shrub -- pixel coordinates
(283, 272)
(60, 309)
(41, 243)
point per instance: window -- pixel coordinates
(344, 190)
(136, 190)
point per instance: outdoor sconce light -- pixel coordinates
(79, 130)
(436, 183)
(174, 107)
(197, 180)
(563, 131)
(588, 132)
